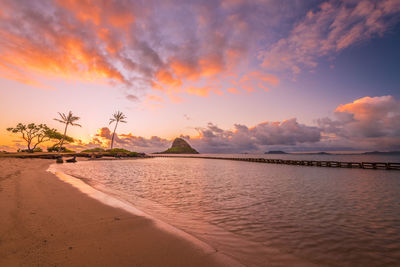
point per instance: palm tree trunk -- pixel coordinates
(62, 140)
(112, 139)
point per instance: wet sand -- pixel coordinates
(45, 221)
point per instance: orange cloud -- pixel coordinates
(70, 58)
(184, 69)
(99, 12)
(199, 91)
(256, 79)
(165, 77)
(233, 90)
(210, 66)
(112, 45)
(114, 41)
(377, 108)
(121, 20)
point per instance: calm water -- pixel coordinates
(266, 214)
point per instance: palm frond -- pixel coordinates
(59, 120)
(74, 118)
(118, 117)
(62, 115)
(68, 119)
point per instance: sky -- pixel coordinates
(229, 76)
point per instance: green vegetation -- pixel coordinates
(117, 150)
(123, 152)
(117, 117)
(180, 146)
(93, 150)
(69, 119)
(56, 148)
(113, 152)
(56, 136)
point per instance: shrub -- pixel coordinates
(38, 149)
(124, 152)
(54, 148)
(135, 154)
(117, 150)
(97, 149)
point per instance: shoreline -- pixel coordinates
(214, 240)
(113, 201)
(47, 221)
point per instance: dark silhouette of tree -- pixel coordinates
(69, 119)
(117, 117)
(34, 134)
(57, 137)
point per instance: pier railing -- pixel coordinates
(315, 163)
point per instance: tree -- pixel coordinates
(69, 119)
(33, 134)
(117, 117)
(56, 136)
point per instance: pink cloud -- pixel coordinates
(233, 90)
(368, 122)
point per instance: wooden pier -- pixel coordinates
(315, 163)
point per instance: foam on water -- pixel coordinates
(115, 202)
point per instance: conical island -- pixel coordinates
(180, 146)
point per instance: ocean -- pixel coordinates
(265, 214)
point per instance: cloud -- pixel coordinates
(180, 47)
(256, 79)
(367, 122)
(132, 98)
(233, 90)
(128, 141)
(325, 31)
(175, 46)
(46, 39)
(105, 133)
(212, 139)
(258, 138)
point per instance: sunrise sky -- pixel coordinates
(228, 75)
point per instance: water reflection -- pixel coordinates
(262, 213)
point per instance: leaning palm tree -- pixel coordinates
(117, 117)
(67, 120)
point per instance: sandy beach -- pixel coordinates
(45, 221)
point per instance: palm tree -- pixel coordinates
(117, 117)
(67, 120)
